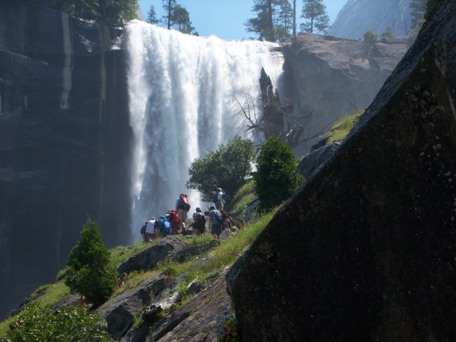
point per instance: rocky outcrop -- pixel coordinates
(359, 16)
(121, 311)
(326, 78)
(202, 318)
(64, 142)
(368, 253)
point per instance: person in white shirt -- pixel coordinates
(150, 229)
(219, 199)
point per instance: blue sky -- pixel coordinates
(226, 18)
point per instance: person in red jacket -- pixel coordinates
(174, 221)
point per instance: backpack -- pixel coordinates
(183, 203)
(200, 217)
(162, 225)
(166, 226)
(143, 229)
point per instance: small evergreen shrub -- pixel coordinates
(370, 36)
(89, 270)
(277, 177)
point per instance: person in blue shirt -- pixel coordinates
(216, 219)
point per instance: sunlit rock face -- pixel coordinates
(359, 16)
(64, 143)
(364, 251)
(328, 78)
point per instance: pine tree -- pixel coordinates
(284, 20)
(273, 19)
(152, 16)
(315, 12)
(89, 271)
(177, 17)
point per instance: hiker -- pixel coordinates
(216, 218)
(199, 222)
(150, 230)
(182, 208)
(226, 222)
(143, 231)
(218, 199)
(122, 279)
(162, 226)
(174, 221)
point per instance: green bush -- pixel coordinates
(89, 270)
(227, 167)
(277, 177)
(69, 323)
(370, 36)
(388, 34)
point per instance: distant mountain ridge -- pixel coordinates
(358, 16)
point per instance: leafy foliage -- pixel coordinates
(232, 332)
(89, 270)
(69, 323)
(277, 177)
(106, 11)
(227, 167)
(370, 36)
(388, 34)
(315, 13)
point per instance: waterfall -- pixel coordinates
(181, 93)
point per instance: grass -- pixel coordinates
(45, 295)
(245, 195)
(342, 127)
(121, 253)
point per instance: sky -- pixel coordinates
(225, 18)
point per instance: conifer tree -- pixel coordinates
(177, 17)
(273, 19)
(317, 18)
(89, 271)
(152, 16)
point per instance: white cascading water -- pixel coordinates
(181, 91)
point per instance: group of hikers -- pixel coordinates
(176, 220)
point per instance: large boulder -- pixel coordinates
(327, 78)
(365, 250)
(121, 311)
(156, 252)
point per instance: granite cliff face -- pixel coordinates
(326, 78)
(359, 16)
(64, 142)
(364, 251)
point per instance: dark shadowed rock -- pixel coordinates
(201, 319)
(310, 163)
(191, 251)
(120, 311)
(150, 256)
(369, 253)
